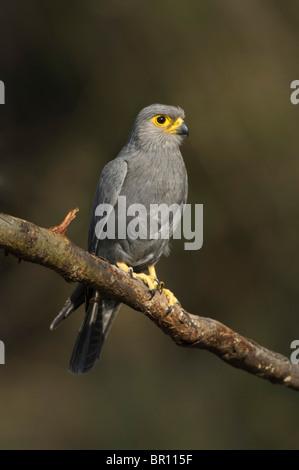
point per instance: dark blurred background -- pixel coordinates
(76, 74)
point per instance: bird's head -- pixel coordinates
(159, 125)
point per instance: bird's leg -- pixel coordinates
(153, 274)
(125, 267)
(149, 279)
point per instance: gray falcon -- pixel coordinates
(149, 170)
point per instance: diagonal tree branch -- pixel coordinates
(47, 247)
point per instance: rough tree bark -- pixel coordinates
(51, 249)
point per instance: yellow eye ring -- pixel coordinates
(161, 120)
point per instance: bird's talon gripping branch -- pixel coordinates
(153, 293)
(160, 284)
(149, 279)
(125, 267)
(172, 300)
(152, 283)
(170, 308)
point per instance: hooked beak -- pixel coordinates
(178, 127)
(182, 129)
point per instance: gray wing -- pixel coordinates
(107, 192)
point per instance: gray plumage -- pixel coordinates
(148, 170)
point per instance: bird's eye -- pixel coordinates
(161, 119)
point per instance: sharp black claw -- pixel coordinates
(161, 287)
(170, 308)
(152, 293)
(131, 272)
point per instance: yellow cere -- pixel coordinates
(173, 129)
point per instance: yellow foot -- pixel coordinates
(149, 279)
(153, 274)
(153, 284)
(171, 300)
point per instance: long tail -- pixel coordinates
(92, 334)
